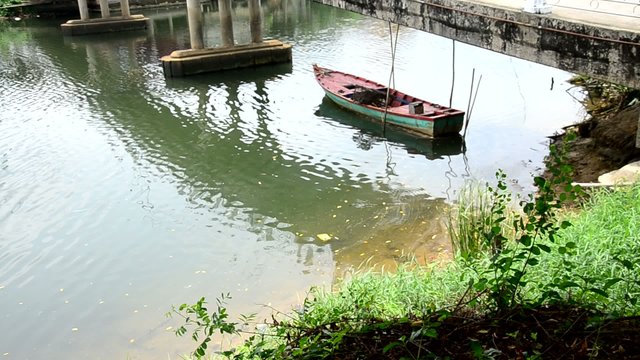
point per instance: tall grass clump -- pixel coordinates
(472, 223)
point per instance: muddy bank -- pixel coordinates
(606, 140)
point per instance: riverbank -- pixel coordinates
(606, 140)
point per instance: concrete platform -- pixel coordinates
(190, 62)
(98, 26)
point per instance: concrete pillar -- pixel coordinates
(84, 9)
(537, 7)
(104, 8)
(124, 9)
(256, 21)
(194, 13)
(226, 24)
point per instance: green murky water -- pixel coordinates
(122, 193)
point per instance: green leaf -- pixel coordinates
(609, 283)
(535, 250)
(200, 352)
(430, 332)
(599, 292)
(567, 284)
(627, 264)
(544, 248)
(565, 224)
(513, 281)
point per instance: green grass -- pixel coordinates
(411, 291)
(607, 254)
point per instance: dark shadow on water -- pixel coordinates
(257, 74)
(371, 133)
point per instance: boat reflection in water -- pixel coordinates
(371, 133)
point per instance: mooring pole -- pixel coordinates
(226, 24)
(256, 21)
(194, 15)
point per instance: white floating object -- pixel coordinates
(324, 237)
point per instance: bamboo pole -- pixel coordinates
(453, 70)
(473, 104)
(391, 75)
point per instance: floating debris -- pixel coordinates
(324, 237)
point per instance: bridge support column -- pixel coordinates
(227, 56)
(84, 9)
(226, 24)
(124, 9)
(194, 15)
(85, 25)
(104, 8)
(256, 21)
(537, 7)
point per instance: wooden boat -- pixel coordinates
(407, 112)
(369, 132)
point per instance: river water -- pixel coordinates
(123, 193)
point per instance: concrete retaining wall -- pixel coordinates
(608, 54)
